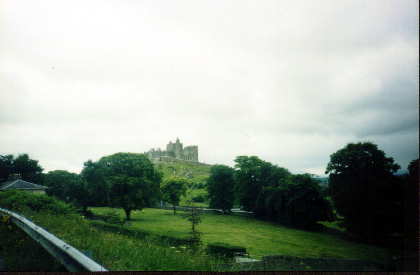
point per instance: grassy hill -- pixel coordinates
(195, 173)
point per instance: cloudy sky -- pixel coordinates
(288, 81)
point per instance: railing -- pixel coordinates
(68, 256)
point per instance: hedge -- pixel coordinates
(15, 200)
(224, 250)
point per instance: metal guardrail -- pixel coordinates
(68, 256)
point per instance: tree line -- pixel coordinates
(363, 189)
(271, 192)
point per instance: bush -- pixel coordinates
(15, 200)
(111, 217)
(198, 185)
(199, 198)
(88, 214)
(224, 250)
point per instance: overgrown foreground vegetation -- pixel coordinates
(114, 251)
(148, 251)
(257, 236)
(20, 252)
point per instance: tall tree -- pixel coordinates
(28, 168)
(411, 204)
(98, 187)
(172, 189)
(60, 183)
(297, 201)
(362, 187)
(79, 192)
(248, 180)
(133, 180)
(6, 167)
(251, 176)
(220, 186)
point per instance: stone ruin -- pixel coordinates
(175, 150)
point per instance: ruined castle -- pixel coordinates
(175, 150)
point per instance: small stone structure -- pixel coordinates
(175, 150)
(293, 263)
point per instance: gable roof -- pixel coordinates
(21, 184)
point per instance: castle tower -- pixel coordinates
(170, 149)
(178, 149)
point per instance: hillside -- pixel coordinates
(195, 172)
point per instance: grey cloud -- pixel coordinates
(290, 82)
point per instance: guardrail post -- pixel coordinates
(68, 256)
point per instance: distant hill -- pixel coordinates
(194, 172)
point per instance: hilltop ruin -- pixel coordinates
(175, 150)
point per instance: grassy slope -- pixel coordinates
(259, 237)
(193, 172)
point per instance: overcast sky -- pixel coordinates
(288, 81)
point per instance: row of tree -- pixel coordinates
(124, 180)
(362, 188)
(271, 192)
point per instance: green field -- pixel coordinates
(259, 237)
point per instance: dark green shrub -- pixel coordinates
(111, 217)
(19, 200)
(198, 185)
(88, 214)
(224, 250)
(194, 215)
(199, 198)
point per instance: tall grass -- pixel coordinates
(20, 252)
(117, 252)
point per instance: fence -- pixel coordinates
(71, 258)
(205, 210)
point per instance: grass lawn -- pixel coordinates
(259, 237)
(193, 193)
